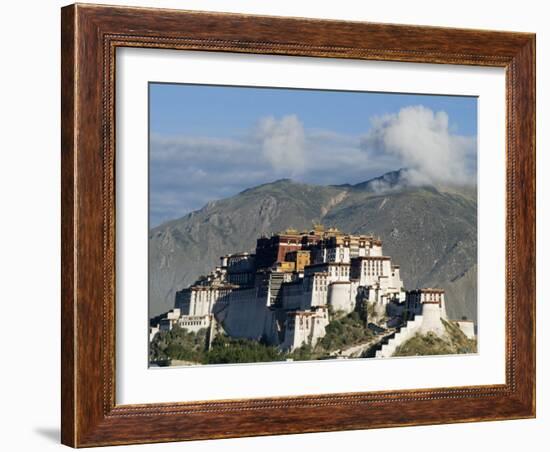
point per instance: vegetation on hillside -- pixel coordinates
(182, 345)
(226, 350)
(454, 342)
(341, 333)
(345, 332)
(178, 344)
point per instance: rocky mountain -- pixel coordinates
(431, 232)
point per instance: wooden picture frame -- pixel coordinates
(90, 36)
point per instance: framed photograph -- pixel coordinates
(282, 225)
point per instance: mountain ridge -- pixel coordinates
(430, 231)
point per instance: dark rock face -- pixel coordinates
(431, 232)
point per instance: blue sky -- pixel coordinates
(210, 142)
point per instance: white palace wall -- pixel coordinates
(403, 335)
(194, 323)
(305, 328)
(432, 314)
(293, 296)
(246, 314)
(429, 321)
(341, 296)
(467, 327)
(315, 290)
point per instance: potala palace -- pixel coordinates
(291, 287)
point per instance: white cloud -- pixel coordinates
(188, 171)
(423, 143)
(283, 143)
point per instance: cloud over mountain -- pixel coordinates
(283, 143)
(186, 172)
(424, 144)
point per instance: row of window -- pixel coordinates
(339, 271)
(191, 323)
